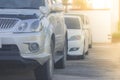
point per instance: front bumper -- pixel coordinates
(77, 45)
(17, 62)
(22, 51)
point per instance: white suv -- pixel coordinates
(32, 36)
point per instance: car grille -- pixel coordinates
(9, 50)
(7, 23)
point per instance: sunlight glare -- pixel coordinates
(102, 4)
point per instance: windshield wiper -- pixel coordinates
(3, 7)
(18, 8)
(26, 8)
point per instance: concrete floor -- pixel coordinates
(102, 63)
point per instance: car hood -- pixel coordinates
(74, 32)
(20, 11)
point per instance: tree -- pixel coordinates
(79, 4)
(65, 3)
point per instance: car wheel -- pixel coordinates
(52, 46)
(90, 45)
(62, 62)
(87, 53)
(83, 55)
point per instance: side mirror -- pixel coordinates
(44, 10)
(57, 7)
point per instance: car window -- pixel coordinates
(72, 23)
(21, 4)
(81, 16)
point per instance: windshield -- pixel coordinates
(72, 23)
(81, 16)
(21, 4)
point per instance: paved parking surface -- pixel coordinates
(103, 63)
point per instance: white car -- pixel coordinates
(76, 37)
(86, 26)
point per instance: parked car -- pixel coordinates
(86, 26)
(32, 36)
(76, 37)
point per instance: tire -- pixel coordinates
(83, 55)
(90, 45)
(62, 62)
(52, 45)
(87, 53)
(69, 57)
(45, 72)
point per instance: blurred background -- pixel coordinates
(104, 17)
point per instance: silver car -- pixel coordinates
(33, 36)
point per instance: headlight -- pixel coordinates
(77, 37)
(22, 27)
(36, 26)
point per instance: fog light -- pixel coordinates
(34, 47)
(74, 49)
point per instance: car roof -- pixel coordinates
(77, 14)
(71, 16)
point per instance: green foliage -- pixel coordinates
(116, 35)
(64, 2)
(79, 4)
